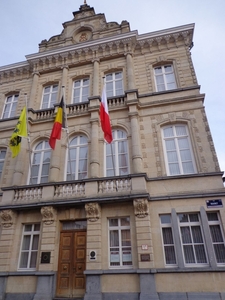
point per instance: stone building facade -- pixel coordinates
(78, 222)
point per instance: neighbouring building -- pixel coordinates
(140, 218)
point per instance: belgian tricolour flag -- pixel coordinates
(58, 125)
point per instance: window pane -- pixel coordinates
(35, 242)
(186, 235)
(167, 236)
(26, 242)
(114, 238)
(165, 219)
(33, 259)
(189, 254)
(200, 254)
(170, 255)
(24, 259)
(220, 253)
(216, 233)
(125, 235)
(197, 235)
(113, 222)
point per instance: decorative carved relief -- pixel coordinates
(141, 208)
(7, 216)
(93, 211)
(48, 214)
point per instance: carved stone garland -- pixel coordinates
(141, 208)
(48, 214)
(93, 211)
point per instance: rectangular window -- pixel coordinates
(192, 241)
(9, 110)
(81, 90)
(2, 159)
(165, 79)
(29, 247)
(114, 84)
(50, 94)
(178, 150)
(120, 242)
(168, 241)
(217, 236)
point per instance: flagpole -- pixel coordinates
(67, 132)
(28, 138)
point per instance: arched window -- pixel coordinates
(77, 158)
(177, 147)
(2, 159)
(40, 163)
(117, 164)
(9, 110)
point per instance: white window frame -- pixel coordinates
(82, 88)
(216, 223)
(119, 256)
(51, 95)
(13, 100)
(165, 84)
(115, 83)
(77, 148)
(2, 160)
(168, 225)
(115, 160)
(30, 250)
(191, 224)
(45, 148)
(178, 151)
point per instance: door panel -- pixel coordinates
(72, 262)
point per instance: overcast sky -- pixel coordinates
(25, 23)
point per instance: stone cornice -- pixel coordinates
(101, 48)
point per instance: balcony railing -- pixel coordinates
(79, 189)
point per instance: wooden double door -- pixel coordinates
(72, 262)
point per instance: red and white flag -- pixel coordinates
(104, 117)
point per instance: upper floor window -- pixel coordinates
(50, 94)
(40, 163)
(114, 84)
(29, 247)
(9, 110)
(2, 159)
(81, 90)
(164, 78)
(117, 162)
(77, 158)
(120, 242)
(177, 147)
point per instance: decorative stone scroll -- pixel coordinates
(48, 214)
(7, 216)
(93, 211)
(141, 208)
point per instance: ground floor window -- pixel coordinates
(29, 246)
(120, 242)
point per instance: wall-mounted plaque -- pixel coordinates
(145, 257)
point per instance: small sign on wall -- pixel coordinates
(214, 203)
(145, 257)
(45, 257)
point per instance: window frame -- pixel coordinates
(115, 146)
(81, 88)
(216, 223)
(11, 104)
(50, 94)
(2, 160)
(30, 233)
(176, 139)
(78, 148)
(119, 228)
(164, 76)
(114, 81)
(40, 164)
(168, 225)
(191, 224)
